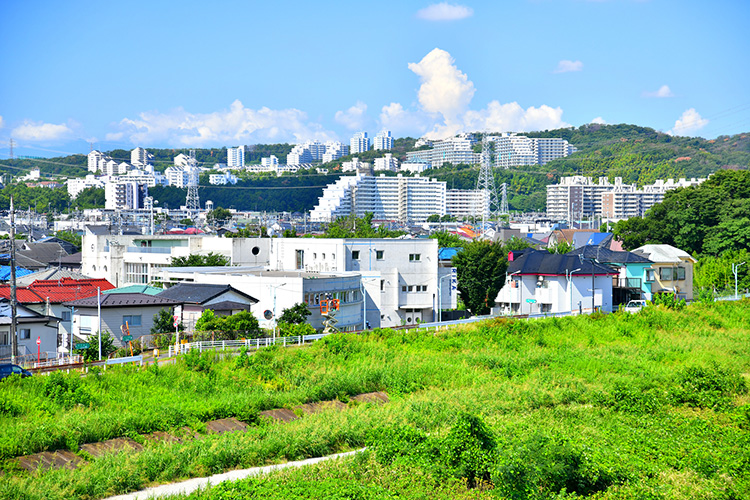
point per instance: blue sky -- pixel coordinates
(223, 73)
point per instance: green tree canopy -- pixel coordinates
(195, 260)
(297, 314)
(218, 215)
(481, 267)
(446, 239)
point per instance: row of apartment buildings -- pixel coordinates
(578, 196)
(510, 150)
(405, 199)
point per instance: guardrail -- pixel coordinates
(130, 359)
(206, 345)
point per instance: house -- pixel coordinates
(46, 297)
(30, 327)
(538, 282)
(672, 270)
(632, 282)
(224, 300)
(137, 310)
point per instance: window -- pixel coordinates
(66, 316)
(134, 320)
(324, 256)
(24, 333)
(679, 273)
(136, 272)
(382, 285)
(379, 254)
(410, 288)
(414, 257)
(665, 273)
(355, 254)
(300, 259)
(403, 288)
(649, 275)
(315, 255)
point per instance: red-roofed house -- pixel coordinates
(47, 296)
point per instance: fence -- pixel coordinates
(207, 345)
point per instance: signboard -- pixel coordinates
(39, 341)
(127, 338)
(267, 314)
(82, 345)
(531, 301)
(176, 321)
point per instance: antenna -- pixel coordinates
(486, 180)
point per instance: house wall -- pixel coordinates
(85, 321)
(553, 294)
(47, 334)
(684, 288)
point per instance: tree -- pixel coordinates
(481, 267)
(218, 215)
(164, 322)
(446, 239)
(70, 237)
(90, 198)
(561, 247)
(91, 353)
(195, 260)
(295, 315)
(242, 324)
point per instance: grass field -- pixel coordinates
(653, 405)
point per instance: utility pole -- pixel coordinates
(13, 312)
(735, 268)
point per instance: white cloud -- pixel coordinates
(38, 131)
(445, 89)
(354, 117)
(444, 97)
(690, 121)
(664, 91)
(512, 117)
(566, 66)
(599, 120)
(114, 136)
(1, 122)
(237, 125)
(445, 11)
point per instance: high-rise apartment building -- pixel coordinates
(359, 143)
(388, 162)
(97, 161)
(459, 149)
(236, 157)
(139, 157)
(124, 195)
(334, 151)
(514, 150)
(383, 140)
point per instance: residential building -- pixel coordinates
(359, 143)
(334, 151)
(538, 282)
(578, 196)
(392, 198)
(462, 203)
(177, 176)
(96, 160)
(388, 162)
(633, 281)
(383, 140)
(236, 157)
(197, 297)
(31, 327)
(139, 157)
(514, 150)
(222, 179)
(136, 310)
(417, 168)
(270, 163)
(355, 165)
(75, 186)
(459, 149)
(125, 195)
(671, 272)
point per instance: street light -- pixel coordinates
(569, 276)
(275, 319)
(735, 268)
(520, 303)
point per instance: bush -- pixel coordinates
(708, 387)
(469, 450)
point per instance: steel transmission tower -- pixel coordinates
(504, 200)
(486, 180)
(192, 202)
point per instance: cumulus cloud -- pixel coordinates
(599, 120)
(40, 132)
(114, 136)
(445, 11)
(664, 91)
(444, 97)
(445, 89)
(1, 121)
(236, 125)
(354, 117)
(690, 121)
(566, 66)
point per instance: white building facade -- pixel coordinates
(383, 141)
(236, 157)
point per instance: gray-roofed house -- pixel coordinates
(671, 272)
(30, 326)
(224, 300)
(539, 282)
(137, 309)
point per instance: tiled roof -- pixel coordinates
(541, 262)
(20, 271)
(199, 293)
(150, 290)
(123, 300)
(57, 291)
(609, 256)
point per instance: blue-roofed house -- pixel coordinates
(20, 271)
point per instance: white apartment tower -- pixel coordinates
(124, 195)
(97, 161)
(359, 143)
(139, 157)
(236, 157)
(383, 140)
(388, 162)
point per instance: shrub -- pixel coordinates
(707, 387)
(469, 450)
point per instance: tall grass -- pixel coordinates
(658, 399)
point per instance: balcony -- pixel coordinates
(149, 250)
(626, 283)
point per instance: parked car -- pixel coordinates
(7, 369)
(634, 306)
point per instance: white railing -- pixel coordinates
(207, 345)
(60, 361)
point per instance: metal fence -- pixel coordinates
(208, 345)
